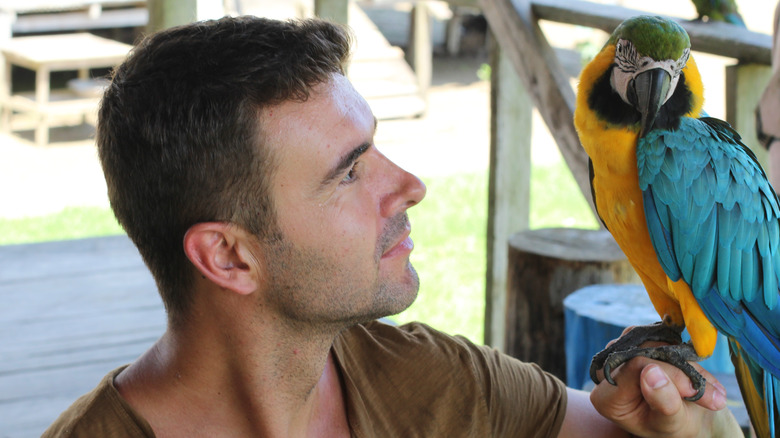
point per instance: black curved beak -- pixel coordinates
(649, 90)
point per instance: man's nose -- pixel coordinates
(408, 191)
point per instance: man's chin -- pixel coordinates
(390, 305)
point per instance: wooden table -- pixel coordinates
(47, 53)
(71, 311)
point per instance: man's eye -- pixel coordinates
(351, 175)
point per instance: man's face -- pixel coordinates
(341, 210)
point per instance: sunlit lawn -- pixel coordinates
(71, 223)
(448, 229)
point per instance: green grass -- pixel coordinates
(448, 229)
(556, 201)
(70, 223)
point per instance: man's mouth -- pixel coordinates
(405, 246)
(395, 238)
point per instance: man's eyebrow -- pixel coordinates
(347, 160)
(345, 163)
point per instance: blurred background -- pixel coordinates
(56, 191)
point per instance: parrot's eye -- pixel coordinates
(619, 47)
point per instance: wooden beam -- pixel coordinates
(524, 43)
(711, 37)
(419, 53)
(509, 190)
(745, 84)
(80, 20)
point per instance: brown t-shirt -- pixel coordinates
(407, 381)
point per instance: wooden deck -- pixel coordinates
(71, 312)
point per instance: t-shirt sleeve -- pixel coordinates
(521, 397)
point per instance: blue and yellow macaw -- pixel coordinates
(719, 10)
(688, 204)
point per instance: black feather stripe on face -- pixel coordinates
(608, 104)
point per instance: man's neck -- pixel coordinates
(201, 381)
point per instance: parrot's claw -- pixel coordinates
(635, 337)
(627, 348)
(677, 355)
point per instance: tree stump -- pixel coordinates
(544, 266)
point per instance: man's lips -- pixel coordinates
(403, 246)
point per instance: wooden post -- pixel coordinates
(509, 184)
(334, 10)
(545, 266)
(744, 85)
(42, 92)
(6, 32)
(419, 54)
(168, 13)
(5, 95)
(516, 28)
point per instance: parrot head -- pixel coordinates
(650, 54)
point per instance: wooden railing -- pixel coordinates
(527, 74)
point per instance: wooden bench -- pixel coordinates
(72, 311)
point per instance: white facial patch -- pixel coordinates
(629, 63)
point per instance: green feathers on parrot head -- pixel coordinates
(656, 37)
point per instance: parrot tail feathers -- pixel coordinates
(760, 390)
(770, 391)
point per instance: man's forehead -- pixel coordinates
(334, 120)
(332, 99)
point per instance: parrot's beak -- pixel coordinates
(649, 90)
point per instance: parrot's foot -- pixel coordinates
(635, 337)
(627, 348)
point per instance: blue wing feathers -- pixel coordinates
(704, 266)
(663, 245)
(723, 267)
(741, 325)
(713, 220)
(735, 268)
(749, 275)
(671, 168)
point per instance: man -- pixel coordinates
(241, 162)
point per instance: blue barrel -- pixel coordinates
(594, 315)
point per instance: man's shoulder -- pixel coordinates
(100, 412)
(435, 381)
(412, 349)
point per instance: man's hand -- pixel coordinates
(648, 402)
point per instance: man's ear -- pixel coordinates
(221, 252)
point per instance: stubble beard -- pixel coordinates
(304, 289)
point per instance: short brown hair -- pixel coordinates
(179, 133)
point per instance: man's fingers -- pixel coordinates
(661, 394)
(714, 397)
